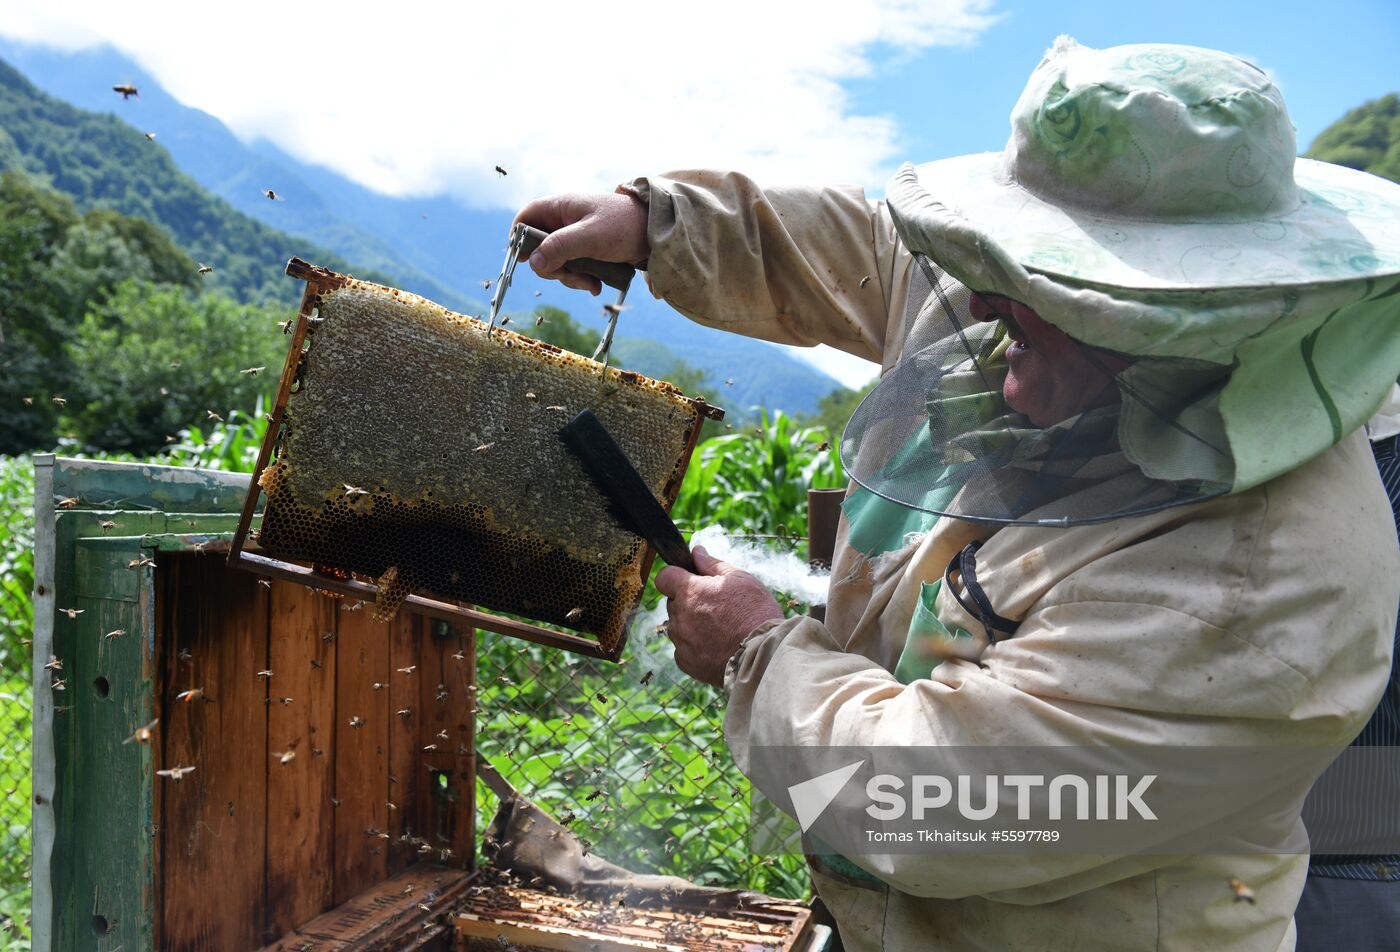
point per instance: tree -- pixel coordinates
(151, 359)
(835, 409)
(1366, 138)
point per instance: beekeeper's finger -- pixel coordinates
(709, 565)
(673, 581)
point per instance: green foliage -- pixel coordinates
(151, 358)
(835, 409)
(1366, 138)
(554, 325)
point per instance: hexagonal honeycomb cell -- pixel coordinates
(423, 453)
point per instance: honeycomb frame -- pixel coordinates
(589, 636)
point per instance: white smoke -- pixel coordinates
(782, 571)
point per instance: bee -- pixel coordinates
(263, 674)
(573, 614)
(286, 326)
(175, 364)
(459, 656)
(352, 607)
(59, 401)
(315, 663)
(265, 583)
(185, 654)
(408, 670)
(271, 196)
(142, 734)
(253, 371)
(505, 321)
(205, 269)
(150, 137)
(327, 636)
(175, 773)
(68, 502)
(603, 698)
(193, 694)
(211, 415)
(285, 700)
(864, 281)
(483, 447)
(612, 310)
(140, 562)
(593, 796)
(59, 684)
(729, 381)
(354, 492)
(55, 664)
(115, 633)
(380, 685)
(356, 721)
(442, 735)
(646, 678)
(286, 756)
(430, 747)
(404, 712)
(500, 171)
(1242, 892)
(72, 612)
(28, 401)
(559, 408)
(127, 90)
(485, 285)
(538, 320)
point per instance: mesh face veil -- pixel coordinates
(995, 416)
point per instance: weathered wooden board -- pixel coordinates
(447, 731)
(214, 826)
(301, 756)
(362, 676)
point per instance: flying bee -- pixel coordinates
(116, 633)
(286, 756)
(285, 701)
(646, 678)
(68, 502)
(407, 670)
(505, 321)
(612, 310)
(864, 281)
(729, 381)
(27, 401)
(211, 415)
(72, 612)
(315, 663)
(253, 371)
(354, 492)
(500, 171)
(485, 285)
(459, 656)
(286, 326)
(271, 196)
(185, 654)
(430, 747)
(140, 562)
(404, 712)
(483, 447)
(442, 735)
(559, 408)
(205, 269)
(603, 698)
(265, 583)
(175, 773)
(193, 694)
(175, 364)
(59, 684)
(380, 685)
(127, 90)
(150, 137)
(59, 401)
(1242, 892)
(357, 721)
(263, 674)
(55, 664)
(142, 735)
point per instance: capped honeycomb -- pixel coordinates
(421, 452)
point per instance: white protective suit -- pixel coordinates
(1262, 618)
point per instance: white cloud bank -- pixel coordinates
(415, 98)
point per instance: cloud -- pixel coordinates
(414, 98)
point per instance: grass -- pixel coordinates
(668, 797)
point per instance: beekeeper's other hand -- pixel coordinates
(605, 226)
(710, 614)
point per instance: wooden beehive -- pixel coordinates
(331, 800)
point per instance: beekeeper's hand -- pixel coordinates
(608, 227)
(710, 614)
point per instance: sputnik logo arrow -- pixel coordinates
(810, 798)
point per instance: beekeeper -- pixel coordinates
(1110, 490)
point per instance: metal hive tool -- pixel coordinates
(413, 455)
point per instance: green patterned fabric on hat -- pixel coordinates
(1149, 202)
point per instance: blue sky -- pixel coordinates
(1328, 56)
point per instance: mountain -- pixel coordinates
(433, 246)
(1366, 138)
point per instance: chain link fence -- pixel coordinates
(629, 756)
(16, 631)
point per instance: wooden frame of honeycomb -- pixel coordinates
(412, 458)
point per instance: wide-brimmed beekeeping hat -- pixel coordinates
(1149, 204)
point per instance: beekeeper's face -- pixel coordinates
(1051, 376)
